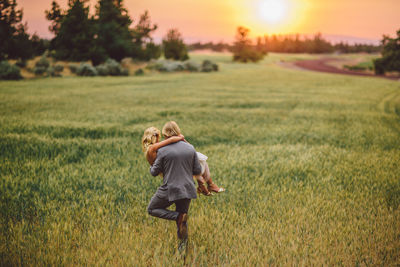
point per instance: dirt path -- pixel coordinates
(321, 66)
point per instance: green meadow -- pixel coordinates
(310, 163)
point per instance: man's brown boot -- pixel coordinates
(181, 223)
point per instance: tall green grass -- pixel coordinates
(310, 161)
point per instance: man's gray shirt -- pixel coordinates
(178, 162)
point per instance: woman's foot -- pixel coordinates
(202, 189)
(214, 188)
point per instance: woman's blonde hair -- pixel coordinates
(171, 129)
(149, 137)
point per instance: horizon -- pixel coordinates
(360, 21)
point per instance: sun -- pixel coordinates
(273, 11)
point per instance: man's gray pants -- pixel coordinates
(158, 207)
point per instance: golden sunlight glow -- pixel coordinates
(273, 11)
(273, 16)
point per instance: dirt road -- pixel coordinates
(320, 65)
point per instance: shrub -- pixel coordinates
(173, 66)
(167, 66)
(86, 69)
(43, 62)
(111, 67)
(154, 65)
(102, 70)
(73, 67)
(379, 65)
(125, 62)
(58, 68)
(52, 72)
(152, 51)
(209, 66)
(192, 66)
(125, 72)
(247, 54)
(9, 72)
(21, 63)
(114, 68)
(39, 70)
(139, 72)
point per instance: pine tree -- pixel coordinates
(112, 35)
(243, 50)
(15, 41)
(74, 39)
(143, 46)
(173, 46)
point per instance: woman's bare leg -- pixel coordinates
(206, 175)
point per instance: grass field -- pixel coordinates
(310, 161)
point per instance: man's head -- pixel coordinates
(171, 129)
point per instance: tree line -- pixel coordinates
(109, 33)
(244, 49)
(292, 44)
(79, 36)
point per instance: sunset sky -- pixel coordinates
(217, 20)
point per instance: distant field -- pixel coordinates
(310, 161)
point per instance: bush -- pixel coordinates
(58, 68)
(125, 62)
(167, 66)
(9, 72)
(73, 67)
(43, 62)
(114, 68)
(379, 66)
(51, 72)
(86, 69)
(173, 66)
(21, 63)
(209, 66)
(111, 67)
(102, 70)
(125, 72)
(41, 65)
(247, 54)
(139, 72)
(152, 51)
(39, 70)
(192, 66)
(154, 65)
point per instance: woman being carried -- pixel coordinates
(151, 143)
